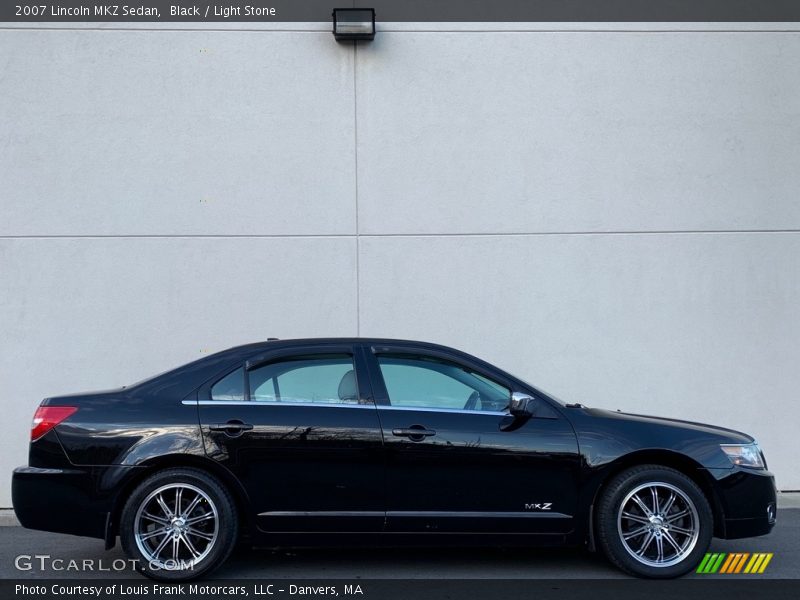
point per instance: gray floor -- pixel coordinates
(784, 542)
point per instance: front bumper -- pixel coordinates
(59, 500)
(747, 501)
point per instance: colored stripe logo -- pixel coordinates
(734, 562)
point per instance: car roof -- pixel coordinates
(188, 375)
(274, 342)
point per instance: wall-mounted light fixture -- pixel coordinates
(353, 24)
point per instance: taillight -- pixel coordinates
(47, 417)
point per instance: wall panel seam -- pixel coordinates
(357, 236)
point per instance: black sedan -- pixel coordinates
(378, 442)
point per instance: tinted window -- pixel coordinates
(428, 383)
(323, 379)
(230, 387)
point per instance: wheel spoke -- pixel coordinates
(633, 517)
(681, 530)
(200, 534)
(645, 543)
(159, 520)
(160, 546)
(668, 504)
(677, 515)
(660, 548)
(187, 542)
(164, 506)
(178, 494)
(203, 517)
(635, 533)
(654, 493)
(192, 506)
(668, 536)
(642, 505)
(152, 534)
(176, 544)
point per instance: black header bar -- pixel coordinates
(19, 11)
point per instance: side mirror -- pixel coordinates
(521, 405)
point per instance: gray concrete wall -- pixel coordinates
(608, 211)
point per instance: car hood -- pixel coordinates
(730, 435)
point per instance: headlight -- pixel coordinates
(744, 455)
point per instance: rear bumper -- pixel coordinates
(59, 500)
(748, 502)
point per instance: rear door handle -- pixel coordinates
(232, 427)
(415, 433)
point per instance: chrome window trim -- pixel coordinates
(341, 405)
(268, 403)
(445, 410)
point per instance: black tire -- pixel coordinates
(613, 526)
(197, 555)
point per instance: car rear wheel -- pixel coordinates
(179, 524)
(653, 521)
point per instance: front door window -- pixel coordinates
(414, 382)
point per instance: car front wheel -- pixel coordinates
(655, 522)
(179, 524)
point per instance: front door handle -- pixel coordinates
(416, 433)
(232, 428)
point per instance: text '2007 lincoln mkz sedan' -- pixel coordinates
(382, 442)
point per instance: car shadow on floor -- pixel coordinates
(417, 563)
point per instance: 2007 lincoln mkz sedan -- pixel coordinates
(378, 442)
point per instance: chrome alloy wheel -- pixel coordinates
(176, 526)
(658, 524)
